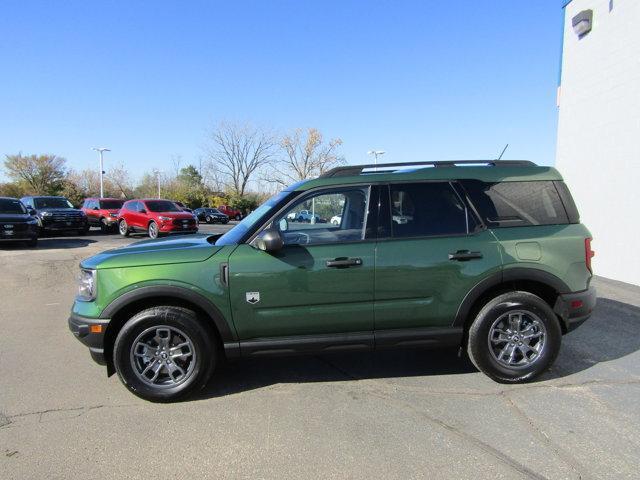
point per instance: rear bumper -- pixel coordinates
(575, 308)
(90, 332)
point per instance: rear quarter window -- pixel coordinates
(517, 204)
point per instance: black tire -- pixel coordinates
(238, 217)
(123, 228)
(225, 221)
(104, 226)
(536, 310)
(32, 243)
(84, 230)
(208, 219)
(153, 230)
(184, 321)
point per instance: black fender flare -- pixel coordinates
(505, 276)
(227, 334)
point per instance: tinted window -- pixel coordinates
(332, 216)
(51, 202)
(515, 204)
(426, 209)
(10, 206)
(111, 204)
(162, 206)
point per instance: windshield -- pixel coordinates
(51, 202)
(212, 210)
(111, 204)
(11, 206)
(234, 235)
(162, 206)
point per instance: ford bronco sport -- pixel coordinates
(487, 256)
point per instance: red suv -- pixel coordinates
(230, 212)
(102, 212)
(156, 217)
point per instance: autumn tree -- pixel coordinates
(37, 174)
(238, 152)
(305, 155)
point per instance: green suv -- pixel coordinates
(487, 256)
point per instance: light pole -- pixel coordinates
(100, 150)
(158, 172)
(376, 154)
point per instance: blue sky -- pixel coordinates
(423, 80)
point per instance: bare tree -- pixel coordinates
(120, 181)
(40, 174)
(238, 152)
(306, 156)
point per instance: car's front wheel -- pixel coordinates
(514, 338)
(123, 228)
(153, 230)
(238, 217)
(164, 353)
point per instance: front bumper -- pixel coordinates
(90, 331)
(575, 308)
(56, 226)
(19, 232)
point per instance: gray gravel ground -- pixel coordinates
(395, 414)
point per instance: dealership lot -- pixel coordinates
(394, 414)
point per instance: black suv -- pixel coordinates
(15, 222)
(56, 214)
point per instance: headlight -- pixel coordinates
(46, 214)
(114, 215)
(87, 285)
(165, 219)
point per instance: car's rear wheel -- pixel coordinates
(123, 228)
(514, 338)
(164, 353)
(238, 216)
(153, 230)
(208, 219)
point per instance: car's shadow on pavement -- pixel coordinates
(51, 243)
(611, 333)
(252, 374)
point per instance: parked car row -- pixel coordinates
(28, 218)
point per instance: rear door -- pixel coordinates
(432, 252)
(319, 285)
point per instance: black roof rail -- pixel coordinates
(384, 167)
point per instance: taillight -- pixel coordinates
(588, 253)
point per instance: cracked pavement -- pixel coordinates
(392, 414)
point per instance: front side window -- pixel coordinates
(427, 209)
(330, 216)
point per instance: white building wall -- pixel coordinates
(598, 149)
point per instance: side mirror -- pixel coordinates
(96, 208)
(142, 210)
(269, 240)
(31, 211)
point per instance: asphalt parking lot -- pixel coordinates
(394, 414)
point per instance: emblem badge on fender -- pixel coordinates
(253, 297)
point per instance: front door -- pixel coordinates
(435, 252)
(320, 283)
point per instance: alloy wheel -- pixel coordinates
(517, 339)
(163, 356)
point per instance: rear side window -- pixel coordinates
(517, 204)
(427, 209)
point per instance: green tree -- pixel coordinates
(37, 174)
(12, 189)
